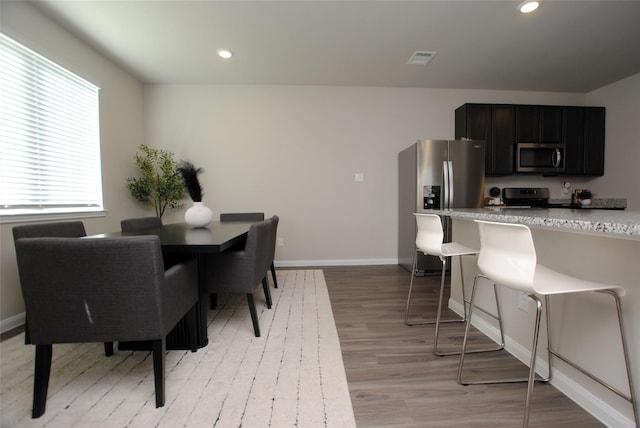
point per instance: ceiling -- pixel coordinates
(565, 46)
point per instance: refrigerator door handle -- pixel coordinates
(450, 184)
(445, 185)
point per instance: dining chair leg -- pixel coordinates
(254, 314)
(108, 349)
(267, 292)
(27, 336)
(158, 350)
(273, 275)
(213, 300)
(41, 379)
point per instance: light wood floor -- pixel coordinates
(396, 381)
(394, 378)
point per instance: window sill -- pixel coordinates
(26, 216)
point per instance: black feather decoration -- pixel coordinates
(191, 182)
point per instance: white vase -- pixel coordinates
(585, 201)
(198, 215)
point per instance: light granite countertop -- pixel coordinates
(612, 223)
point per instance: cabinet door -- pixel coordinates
(527, 124)
(583, 136)
(594, 119)
(502, 133)
(473, 121)
(493, 124)
(538, 124)
(550, 124)
(573, 137)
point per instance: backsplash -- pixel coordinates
(555, 186)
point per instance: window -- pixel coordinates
(49, 136)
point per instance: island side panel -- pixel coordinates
(583, 326)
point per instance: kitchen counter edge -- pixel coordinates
(615, 224)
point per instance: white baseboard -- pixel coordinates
(564, 383)
(12, 322)
(341, 262)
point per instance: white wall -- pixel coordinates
(121, 131)
(286, 150)
(294, 151)
(622, 172)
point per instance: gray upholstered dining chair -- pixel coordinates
(141, 223)
(98, 290)
(242, 271)
(241, 216)
(64, 229)
(255, 216)
(129, 224)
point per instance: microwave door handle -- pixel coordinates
(558, 158)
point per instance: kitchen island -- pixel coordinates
(610, 223)
(597, 245)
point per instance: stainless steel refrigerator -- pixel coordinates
(436, 174)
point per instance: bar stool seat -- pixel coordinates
(429, 240)
(508, 258)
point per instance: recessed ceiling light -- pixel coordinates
(224, 53)
(528, 6)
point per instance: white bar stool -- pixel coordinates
(508, 257)
(429, 240)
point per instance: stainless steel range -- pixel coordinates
(526, 197)
(538, 197)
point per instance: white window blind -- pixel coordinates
(49, 136)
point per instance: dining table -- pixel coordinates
(179, 240)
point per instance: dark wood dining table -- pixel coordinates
(181, 240)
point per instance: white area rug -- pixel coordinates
(292, 376)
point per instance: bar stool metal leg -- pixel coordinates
(629, 397)
(437, 320)
(498, 317)
(464, 351)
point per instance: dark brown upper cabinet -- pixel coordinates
(580, 129)
(538, 124)
(492, 123)
(583, 136)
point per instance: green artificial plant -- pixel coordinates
(160, 183)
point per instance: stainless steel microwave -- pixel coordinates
(539, 157)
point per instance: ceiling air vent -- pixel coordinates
(421, 57)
